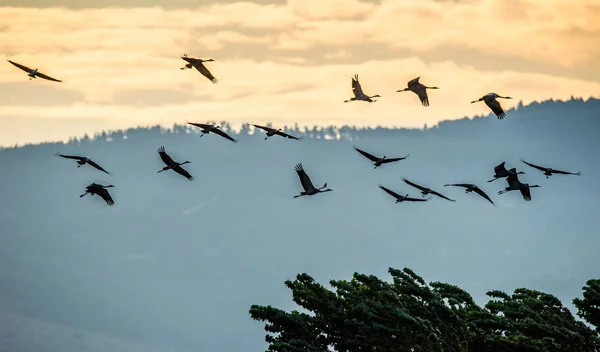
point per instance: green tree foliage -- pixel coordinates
(369, 314)
(589, 307)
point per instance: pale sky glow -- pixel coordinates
(286, 62)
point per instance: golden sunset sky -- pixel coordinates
(284, 61)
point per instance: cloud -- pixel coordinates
(292, 61)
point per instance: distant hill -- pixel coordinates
(551, 118)
(178, 263)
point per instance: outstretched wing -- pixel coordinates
(224, 135)
(201, 125)
(421, 188)
(356, 88)
(103, 192)
(513, 180)
(165, 157)
(391, 160)
(178, 169)
(76, 157)
(304, 179)
(500, 169)
(535, 166)
(419, 90)
(441, 196)
(367, 155)
(390, 192)
(205, 72)
(283, 134)
(465, 185)
(483, 194)
(565, 172)
(413, 82)
(268, 129)
(41, 75)
(422, 94)
(496, 108)
(526, 193)
(97, 166)
(409, 199)
(22, 67)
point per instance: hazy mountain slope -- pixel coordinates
(179, 263)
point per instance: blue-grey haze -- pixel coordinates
(175, 265)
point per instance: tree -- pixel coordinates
(589, 307)
(369, 314)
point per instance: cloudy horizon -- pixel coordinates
(284, 62)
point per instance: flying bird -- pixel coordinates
(101, 191)
(469, 187)
(271, 132)
(419, 89)
(400, 198)
(501, 172)
(549, 171)
(358, 92)
(173, 165)
(425, 191)
(207, 128)
(379, 161)
(490, 100)
(309, 189)
(82, 160)
(33, 73)
(198, 65)
(515, 185)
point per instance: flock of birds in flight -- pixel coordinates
(490, 99)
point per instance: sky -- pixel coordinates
(284, 62)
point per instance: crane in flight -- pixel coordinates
(419, 89)
(515, 185)
(309, 189)
(469, 187)
(548, 171)
(358, 92)
(377, 161)
(198, 65)
(400, 198)
(490, 100)
(33, 73)
(272, 132)
(101, 191)
(82, 160)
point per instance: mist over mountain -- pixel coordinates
(178, 263)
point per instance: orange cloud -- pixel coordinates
(293, 62)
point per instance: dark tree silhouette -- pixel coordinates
(369, 314)
(589, 307)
